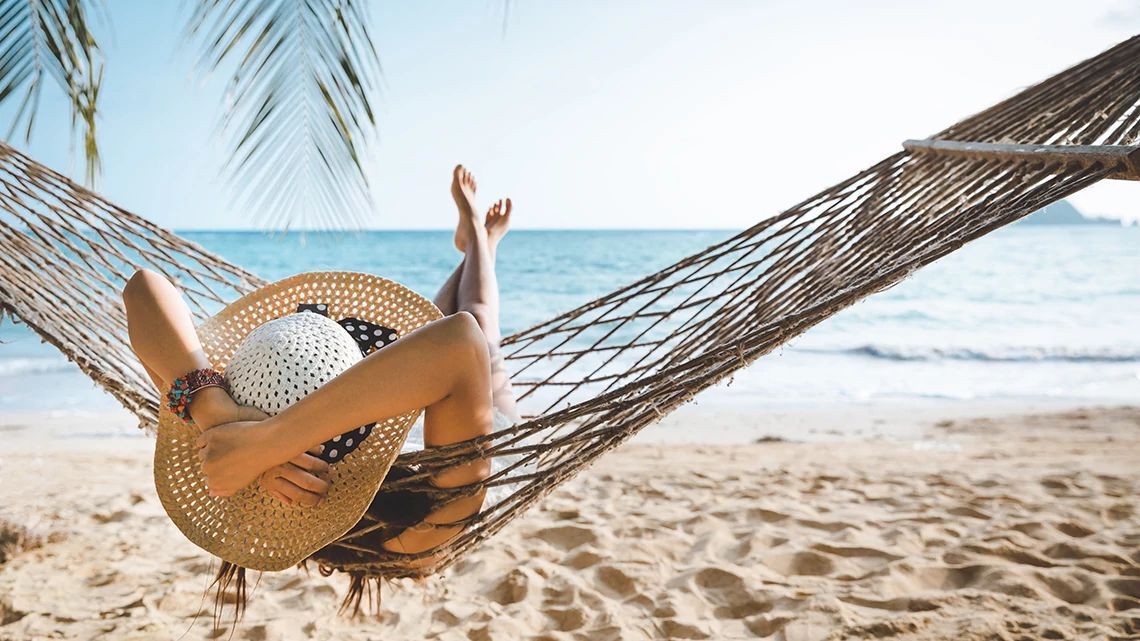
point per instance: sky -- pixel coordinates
(600, 114)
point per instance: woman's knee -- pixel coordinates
(464, 327)
(467, 338)
(484, 318)
(144, 282)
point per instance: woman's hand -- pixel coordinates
(301, 480)
(235, 454)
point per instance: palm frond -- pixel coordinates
(51, 41)
(298, 104)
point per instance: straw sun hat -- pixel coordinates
(275, 345)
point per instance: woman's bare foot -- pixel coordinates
(463, 192)
(497, 222)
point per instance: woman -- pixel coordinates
(450, 367)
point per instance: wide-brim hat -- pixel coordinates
(253, 529)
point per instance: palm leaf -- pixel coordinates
(50, 41)
(298, 106)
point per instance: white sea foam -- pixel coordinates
(33, 365)
(999, 354)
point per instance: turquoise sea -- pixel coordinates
(1027, 313)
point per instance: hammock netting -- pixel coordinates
(590, 378)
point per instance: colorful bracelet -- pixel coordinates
(183, 388)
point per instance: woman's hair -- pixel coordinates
(396, 510)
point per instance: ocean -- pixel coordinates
(1028, 313)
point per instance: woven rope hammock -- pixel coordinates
(592, 377)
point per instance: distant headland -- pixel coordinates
(1063, 212)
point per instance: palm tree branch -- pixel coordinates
(298, 103)
(52, 39)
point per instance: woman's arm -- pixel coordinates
(162, 334)
(442, 366)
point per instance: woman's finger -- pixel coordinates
(295, 493)
(280, 497)
(305, 480)
(285, 491)
(311, 463)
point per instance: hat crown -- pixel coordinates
(287, 358)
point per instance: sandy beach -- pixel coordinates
(1017, 527)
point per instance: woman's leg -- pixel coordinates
(473, 288)
(445, 299)
(477, 290)
(496, 223)
(479, 294)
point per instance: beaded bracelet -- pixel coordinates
(183, 388)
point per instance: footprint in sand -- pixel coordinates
(752, 543)
(615, 582)
(566, 619)
(726, 591)
(1033, 529)
(907, 579)
(826, 526)
(674, 629)
(558, 593)
(899, 604)
(453, 614)
(855, 552)
(567, 537)
(1075, 530)
(761, 515)
(766, 625)
(582, 559)
(1126, 587)
(1119, 512)
(1070, 586)
(1082, 553)
(1012, 554)
(512, 588)
(1122, 604)
(969, 512)
(803, 563)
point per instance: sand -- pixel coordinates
(1017, 527)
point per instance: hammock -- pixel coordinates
(590, 378)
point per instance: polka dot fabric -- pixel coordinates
(369, 336)
(252, 529)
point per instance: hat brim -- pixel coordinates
(251, 528)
